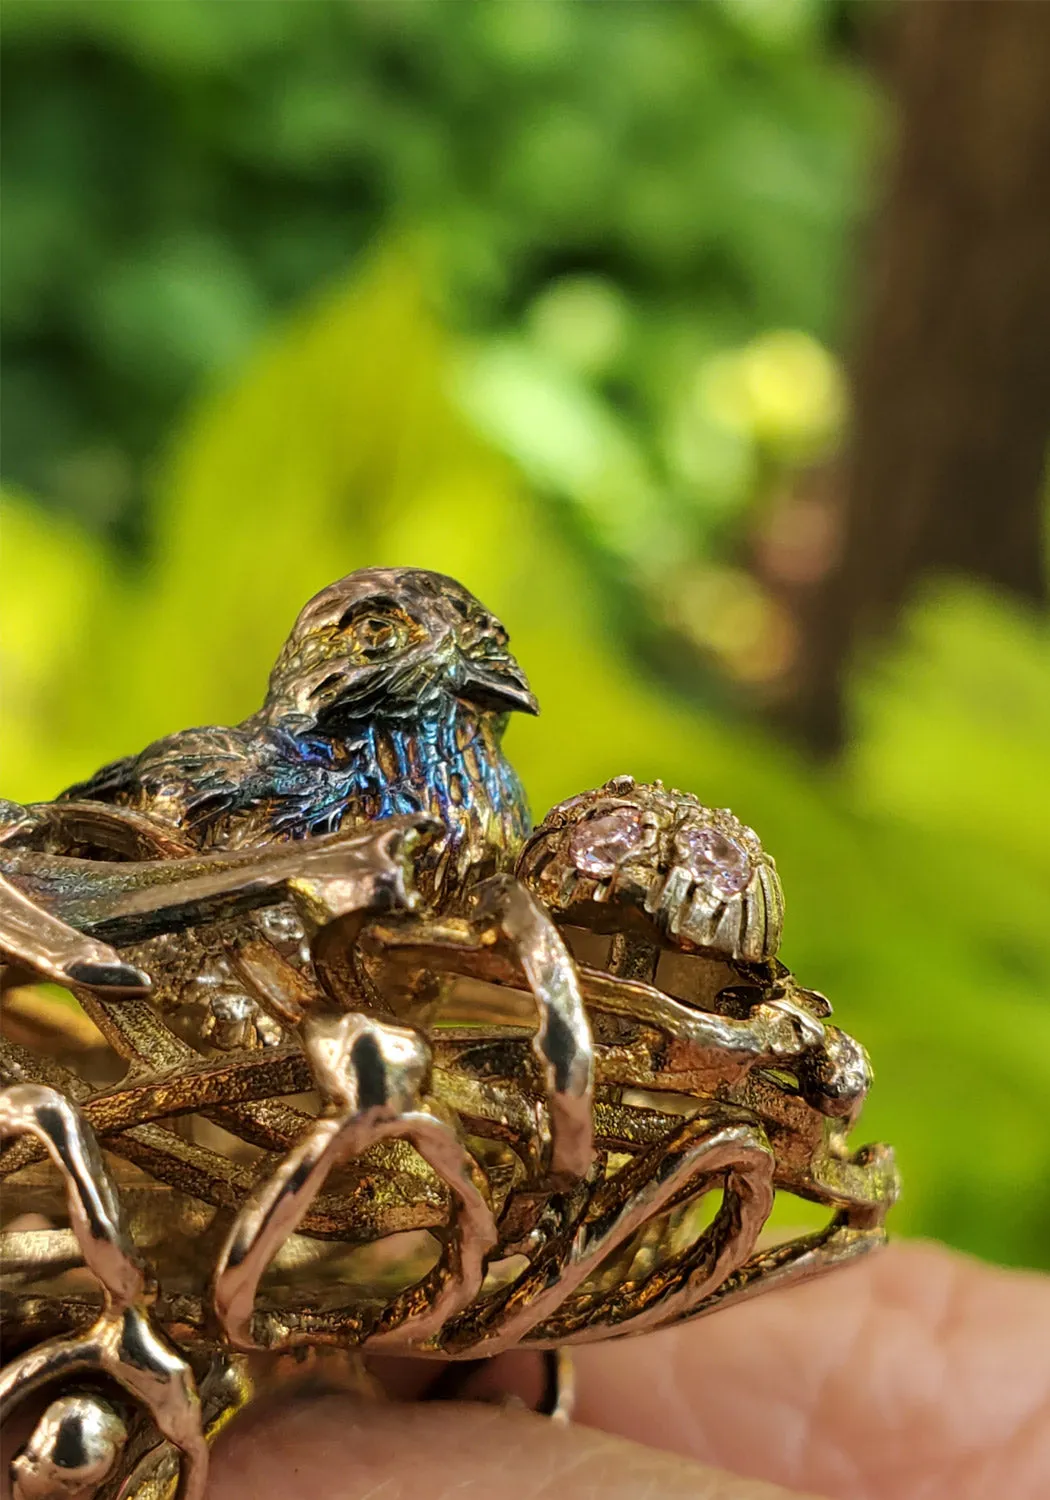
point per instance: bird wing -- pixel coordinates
(189, 779)
(107, 784)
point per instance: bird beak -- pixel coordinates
(498, 685)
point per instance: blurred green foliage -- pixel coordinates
(613, 198)
(918, 875)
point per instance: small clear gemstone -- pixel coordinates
(599, 845)
(716, 860)
(282, 926)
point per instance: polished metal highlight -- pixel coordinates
(361, 1065)
(122, 1343)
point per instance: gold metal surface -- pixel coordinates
(385, 1079)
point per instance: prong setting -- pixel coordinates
(700, 875)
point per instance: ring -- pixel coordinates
(364, 1063)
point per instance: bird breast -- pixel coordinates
(455, 770)
(450, 766)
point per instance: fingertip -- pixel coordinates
(883, 1378)
(340, 1448)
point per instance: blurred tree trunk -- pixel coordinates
(952, 368)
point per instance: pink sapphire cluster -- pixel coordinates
(697, 876)
(716, 861)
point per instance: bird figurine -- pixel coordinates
(391, 695)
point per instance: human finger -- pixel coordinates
(341, 1448)
(915, 1373)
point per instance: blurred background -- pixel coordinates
(708, 341)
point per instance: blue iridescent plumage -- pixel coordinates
(390, 696)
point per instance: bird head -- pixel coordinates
(393, 644)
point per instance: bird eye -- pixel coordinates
(376, 630)
(379, 635)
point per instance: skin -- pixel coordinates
(915, 1375)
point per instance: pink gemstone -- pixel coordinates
(716, 860)
(599, 845)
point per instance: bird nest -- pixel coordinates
(416, 1084)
